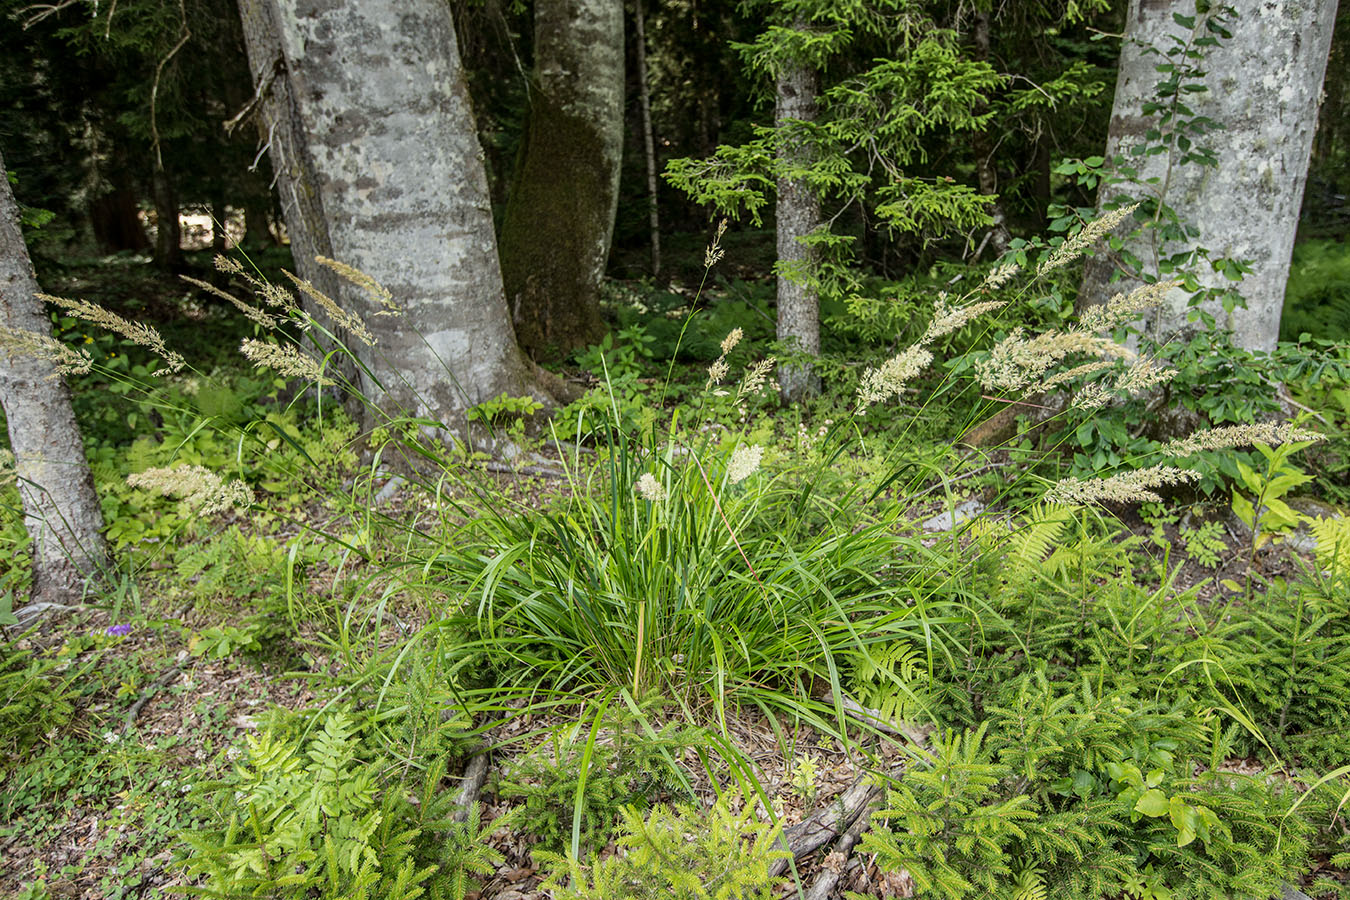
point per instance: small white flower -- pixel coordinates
(111, 737)
(650, 489)
(744, 463)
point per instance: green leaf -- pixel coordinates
(1152, 803)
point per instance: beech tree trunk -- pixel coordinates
(985, 172)
(371, 133)
(559, 217)
(60, 507)
(1263, 86)
(797, 212)
(648, 137)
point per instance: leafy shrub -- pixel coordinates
(325, 822)
(679, 854)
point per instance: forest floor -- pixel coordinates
(97, 811)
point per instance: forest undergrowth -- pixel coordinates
(625, 650)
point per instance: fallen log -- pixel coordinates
(471, 785)
(834, 866)
(830, 822)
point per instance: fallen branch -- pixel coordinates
(834, 866)
(471, 785)
(159, 684)
(828, 823)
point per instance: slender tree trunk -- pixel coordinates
(60, 507)
(648, 137)
(559, 218)
(219, 213)
(985, 171)
(116, 221)
(798, 214)
(168, 233)
(1263, 87)
(257, 230)
(372, 136)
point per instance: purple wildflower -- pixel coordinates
(118, 630)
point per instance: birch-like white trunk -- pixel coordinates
(368, 121)
(559, 218)
(797, 214)
(1264, 86)
(61, 510)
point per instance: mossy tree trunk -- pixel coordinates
(371, 133)
(61, 509)
(797, 214)
(1262, 85)
(559, 218)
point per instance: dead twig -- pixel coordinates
(159, 684)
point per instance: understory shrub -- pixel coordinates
(1068, 792)
(678, 854)
(321, 819)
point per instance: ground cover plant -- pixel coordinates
(1045, 703)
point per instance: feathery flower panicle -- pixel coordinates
(744, 463)
(138, 333)
(1143, 373)
(947, 319)
(1018, 362)
(68, 360)
(731, 340)
(1000, 275)
(255, 315)
(1067, 375)
(341, 318)
(889, 379)
(1128, 487)
(1124, 308)
(229, 266)
(1073, 247)
(286, 359)
(755, 376)
(713, 255)
(1228, 436)
(717, 371)
(199, 487)
(650, 489)
(1092, 396)
(378, 293)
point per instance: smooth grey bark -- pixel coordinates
(1264, 87)
(61, 509)
(984, 145)
(368, 122)
(648, 136)
(797, 214)
(559, 217)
